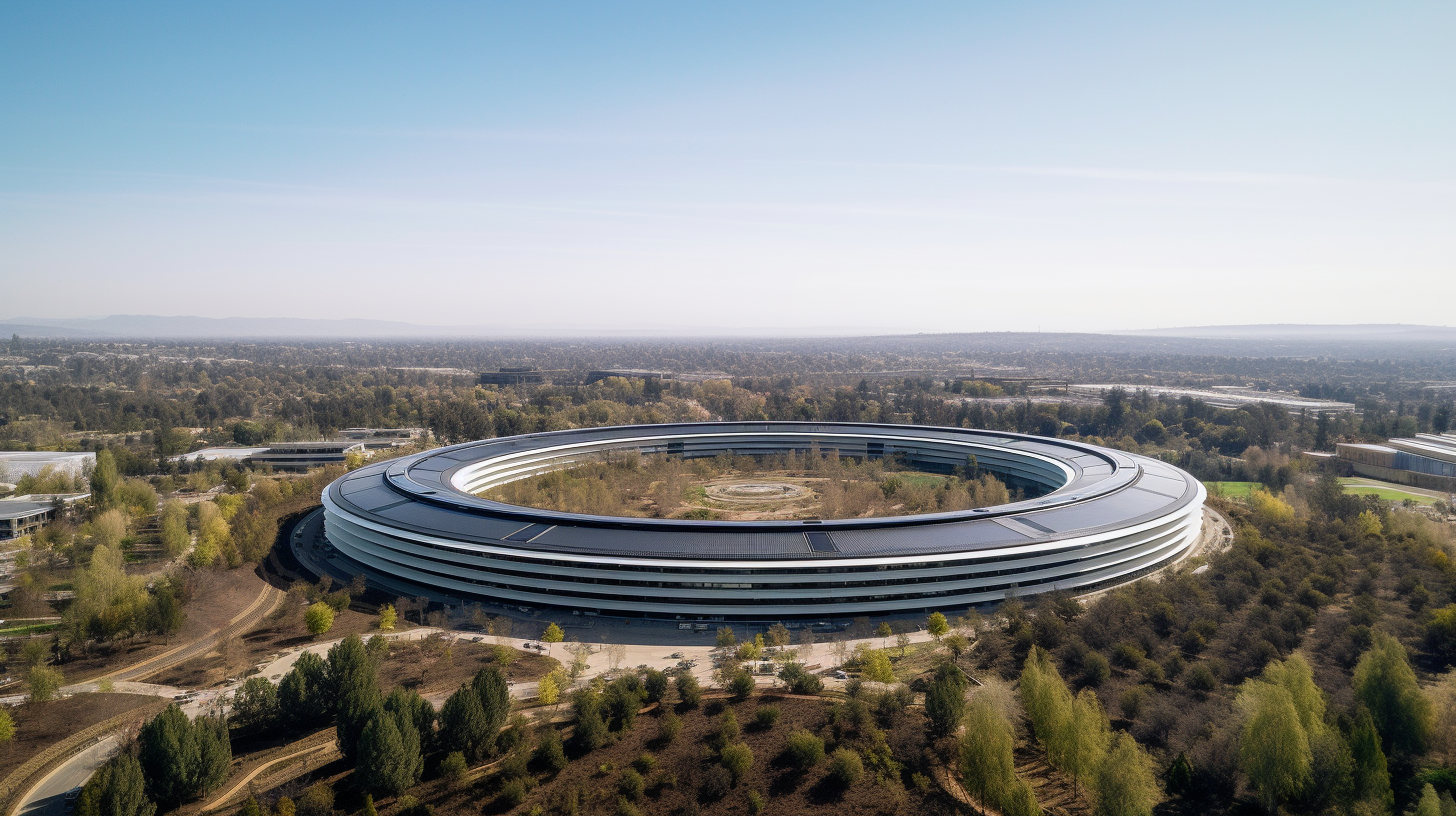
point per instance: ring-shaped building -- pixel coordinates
(1095, 517)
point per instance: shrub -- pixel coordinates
(737, 758)
(319, 618)
(645, 763)
(845, 767)
(452, 768)
(805, 749)
(631, 785)
(1200, 679)
(669, 725)
(765, 717)
(755, 802)
(742, 685)
(717, 781)
(514, 792)
(689, 690)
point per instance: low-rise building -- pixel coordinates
(377, 438)
(1428, 460)
(25, 515)
(301, 456)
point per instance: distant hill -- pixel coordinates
(1393, 332)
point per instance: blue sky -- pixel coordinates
(753, 166)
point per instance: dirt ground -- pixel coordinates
(215, 599)
(418, 665)
(285, 629)
(38, 725)
(786, 789)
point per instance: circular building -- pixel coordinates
(1096, 517)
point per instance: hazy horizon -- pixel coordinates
(659, 168)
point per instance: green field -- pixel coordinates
(1232, 490)
(29, 629)
(1353, 486)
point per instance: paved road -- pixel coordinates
(48, 797)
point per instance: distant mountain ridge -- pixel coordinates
(1310, 331)
(187, 326)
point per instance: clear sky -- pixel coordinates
(959, 166)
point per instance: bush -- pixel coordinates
(755, 802)
(1200, 679)
(737, 758)
(631, 785)
(805, 749)
(765, 717)
(452, 768)
(717, 781)
(319, 618)
(845, 767)
(669, 725)
(550, 754)
(689, 690)
(742, 685)
(514, 792)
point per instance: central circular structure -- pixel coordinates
(756, 491)
(1093, 517)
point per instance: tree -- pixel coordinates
(118, 788)
(1371, 774)
(1125, 782)
(495, 700)
(779, 636)
(1385, 683)
(255, 705)
(1274, 752)
(104, 479)
(387, 617)
(883, 630)
(175, 537)
(214, 753)
(303, 693)
(1045, 696)
(7, 726)
(384, 764)
(957, 644)
(726, 638)
(553, 634)
(987, 764)
(1430, 803)
(355, 691)
(181, 758)
(547, 691)
(937, 625)
(945, 700)
(44, 682)
(689, 691)
(742, 685)
(1084, 738)
(463, 725)
(875, 666)
(319, 618)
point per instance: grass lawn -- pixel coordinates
(28, 629)
(1353, 486)
(1232, 490)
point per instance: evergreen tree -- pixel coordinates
(463, 725)
(355, 691)
(303, 694)
(1045, 696)
(118, 788)
(495, 700)
(945, 700)
(255, 705)
(409, 705)
(167, 754)
(214, 753)
(1125, 782)
(384, 763)
(1386, 685)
